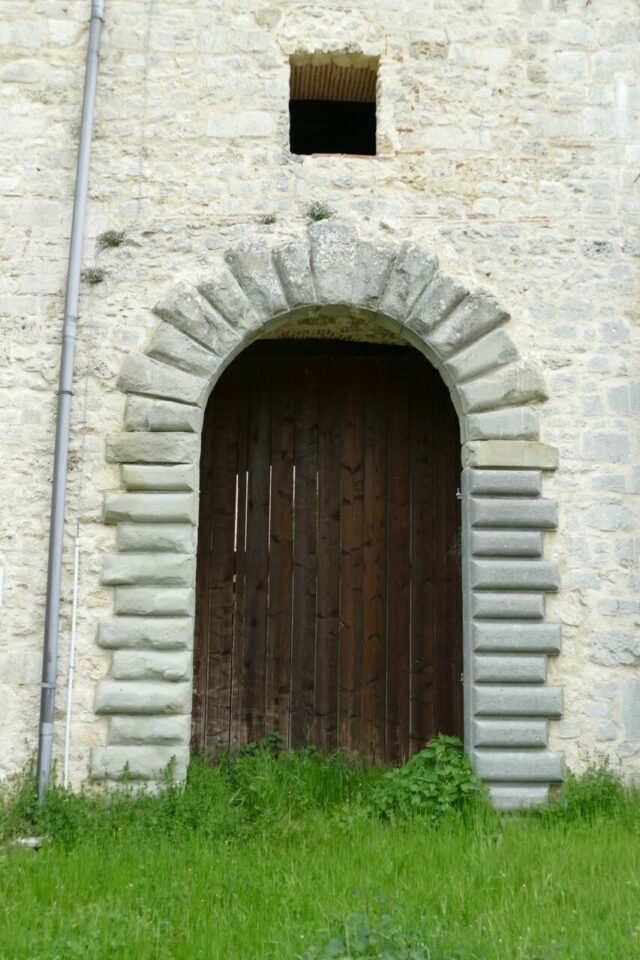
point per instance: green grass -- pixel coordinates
(281, 856)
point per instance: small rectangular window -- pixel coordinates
(332, 105)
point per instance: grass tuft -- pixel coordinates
(110, 239)
(93, 275)
(319, 211)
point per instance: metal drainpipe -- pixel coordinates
(63, 417)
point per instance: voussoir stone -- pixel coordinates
(435, 303)
(222, 291)
(476, 315)
(145, 413)
(294, 269)
(412, 270)
(159, 633)
(514, 384)
(373, 262)
(159, 447)
(186, 309)
(332, 245)
(172, 346)
(142, 374)
(251, 264)
(495, 349)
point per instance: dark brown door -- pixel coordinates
(328, 580)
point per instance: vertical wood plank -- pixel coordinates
(223, 439)
(237, 725)
(203, 580)
(351, 534)
(398, 562)
(328, 602)
(280, 550)
(303, 647)
(257, 548)
(374, 561)
(447, 595)
(422, 556)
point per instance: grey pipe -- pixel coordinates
(63, 417)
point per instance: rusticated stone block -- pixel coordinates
(142, 374)
(518, 668)
(333, 249)
(508, 423)
(437, 300)
(514, 574)
(511, 606)
(518, 796)
(166, 477)
(171, 346)
(294, 270)
(151, 507)
(186, 309)
(152, 602)
(513, 637)
(506, 543)
(152, 448)
(372, 265)
(517, 700)
(168, 665)
(147, 762)
(155, 633)
(516, 384)
(162, 731)
(476, 315)
(223, 291)
(520, 454)
(137, 697)
(251, 264)
(518, 512)
(528, 765)
(510, 733)
(145, 413)
(505, 483)
(495, 349)
(160, 537)
(172, 569)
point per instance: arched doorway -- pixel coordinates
(328, 596)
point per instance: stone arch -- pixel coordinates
(465, 335)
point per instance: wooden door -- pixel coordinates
(328, 574)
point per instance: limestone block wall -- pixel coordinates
(507, 143)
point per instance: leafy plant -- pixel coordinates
(111, 238)
(319, 211)
(93, 275)
(361, 935)
(435, 781)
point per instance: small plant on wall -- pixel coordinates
(319, 211)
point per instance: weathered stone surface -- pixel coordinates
(476, 315)
(223, 291)
(161, 537)
(517, 383)
(171, 346)
(160, 633)
(139, 762)
(372, 265)
(506, 543)
(171, 666)
(518, 700)
(150, 508)
(251, 265)
(495, 668)
(144, 476)
(511, 733)
(146, 413)
(143, 730)
(171, 447)
(508, 423)
(528, 765)
(518, 512)
(294, 271)
(136, 697)
(505, 483)
(506, 636)
(172, 569)
(631, 708)
(151, 602)
(333, 250)
(142, 374)
(441, 296)
(497, 606)
(518, 796)
(521, 454)
(186, 309)
(493, 350)
(514, 574)
(412, 269)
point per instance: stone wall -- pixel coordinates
(506, 144)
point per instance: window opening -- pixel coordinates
(332, 105)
